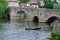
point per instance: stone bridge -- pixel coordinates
(38, 14)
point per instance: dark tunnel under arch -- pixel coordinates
(51, 19)
(35, 19)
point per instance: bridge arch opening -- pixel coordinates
(35, 19)
(51, 19)
(22, 14)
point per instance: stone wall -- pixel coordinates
(42, 13)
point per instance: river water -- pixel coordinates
(16, 31)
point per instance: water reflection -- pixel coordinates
(16, 31)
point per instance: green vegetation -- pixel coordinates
(55, 1)
(49, 4)
(1, 27)
(3, 6)
(24, 1)
(54, 36)
(25, 15)
(57, 6)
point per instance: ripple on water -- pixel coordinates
(13, 31)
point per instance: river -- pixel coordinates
(16, 31)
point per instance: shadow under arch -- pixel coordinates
(6, 14)
(35, 19)
(21, 12)
(51, 19)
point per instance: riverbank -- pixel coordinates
(3, 20)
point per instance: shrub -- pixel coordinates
(3, 6)
(25, 15)
(54, 36)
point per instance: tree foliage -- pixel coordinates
(48, 4)
(57, 6)
(55, 1)
(24, 1)
(3, 6)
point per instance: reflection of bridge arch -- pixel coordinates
(51, 19)
(35, 19)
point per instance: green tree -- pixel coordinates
(24, 1)
(3, 6)
(55, 1)
(48, 4)
(57, 6)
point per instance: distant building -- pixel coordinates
(22, 5)
(30, 5)
(13, 3)
(35, 1)
(34, 5)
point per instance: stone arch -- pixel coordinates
(35, 19)
(21, 12)
(51, 19)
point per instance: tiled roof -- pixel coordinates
(34, 3)
(13, 0)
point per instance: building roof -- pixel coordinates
(22, 4)
(34, 3)
(13, 0)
